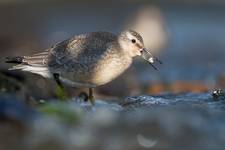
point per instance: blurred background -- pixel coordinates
(188, 37)
(175, 107)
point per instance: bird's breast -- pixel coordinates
(108, 69)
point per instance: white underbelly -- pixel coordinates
(108, 72)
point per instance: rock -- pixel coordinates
(218, 94)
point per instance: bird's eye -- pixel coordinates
(133, 41)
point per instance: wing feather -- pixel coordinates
(80, 51)
(75, 52)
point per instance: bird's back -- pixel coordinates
(84, 48)
(74, 58)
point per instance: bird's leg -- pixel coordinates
(56, 77)
(60, 91)
(88, 96)
(91, 96)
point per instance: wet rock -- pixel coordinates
(196, 100)
(143, 101)
(218, 94)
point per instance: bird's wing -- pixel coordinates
(38, 59)
(79, 50)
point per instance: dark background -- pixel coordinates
(188, 36)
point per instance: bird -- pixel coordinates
(87, 60)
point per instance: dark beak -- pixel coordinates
(149, 58)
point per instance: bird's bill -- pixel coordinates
(146, 55)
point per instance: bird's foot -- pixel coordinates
(84, 96)
(87, 97)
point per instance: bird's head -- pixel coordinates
(132, 43)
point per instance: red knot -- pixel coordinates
(86, 60)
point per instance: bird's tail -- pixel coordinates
(21, 63)
(15, 60)
(18, 61)
(34, 64)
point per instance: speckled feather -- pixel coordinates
(86, 60)
(83, 59)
